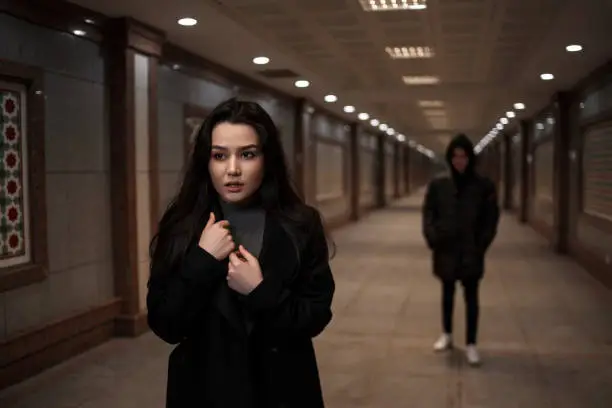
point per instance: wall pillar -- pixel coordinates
(396, 169)
(132, 53)
(508, 173)
(561, 166)
(381, 171)
(354, 172)
(526, 164)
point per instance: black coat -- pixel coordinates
(221, 362)
(459, 225)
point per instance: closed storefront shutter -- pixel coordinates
(597, 171)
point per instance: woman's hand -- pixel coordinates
(216, 238)
(243, 274)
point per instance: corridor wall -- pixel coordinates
(56, 257)
(332, 165)
(562, 164)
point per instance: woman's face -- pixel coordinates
(236, 162)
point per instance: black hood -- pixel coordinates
(463, 142)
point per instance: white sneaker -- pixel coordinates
(472, 355)
(445, 342)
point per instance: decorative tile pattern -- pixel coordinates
(12, 168)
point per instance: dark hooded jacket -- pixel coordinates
(460, 218)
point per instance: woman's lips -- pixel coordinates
(234, 187)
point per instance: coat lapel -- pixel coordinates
(277, 260)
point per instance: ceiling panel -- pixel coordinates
(488, 54)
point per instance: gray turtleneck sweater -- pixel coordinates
(247, 225)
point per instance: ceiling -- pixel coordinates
(487, 54)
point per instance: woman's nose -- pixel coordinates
(233, 167)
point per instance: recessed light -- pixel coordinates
(420, 80)
(573, 48)
(187, 22)
(504, 121)
(383, 127)
(363, 116)
(302, 83)
(390, 131)
(401, 138)
(80, 33)
(176, 66)
(330, 98)
(89, 21)
(388, 5)
(547, 77)
(510, 114)
(261, 60)
(374, 122)
(499, 126)
(349, 109)
(408, 52)
(519, 106)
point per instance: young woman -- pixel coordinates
(240, 275)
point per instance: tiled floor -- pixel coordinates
(546, 333)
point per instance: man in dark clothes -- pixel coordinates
(460, 218)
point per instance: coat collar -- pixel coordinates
(277, 259)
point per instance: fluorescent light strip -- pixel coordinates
(409, 52)
(420, 80)
(393, 5)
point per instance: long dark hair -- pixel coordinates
(186, 215)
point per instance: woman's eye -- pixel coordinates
(218, 156)
(249, 155)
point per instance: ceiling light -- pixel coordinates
(409, 52)
(504, 121)
(401, 138)
(349, 109)
(302, 83)
(390, 5)
(374, 122)
(363, 116)
(261, 60)
(416, 4)
(510, 114)
(331, 98)
(519, 106)
(420, 80)
(80, 33)
(547, 77)
(89, 21)
(187, 22)
(390, 131)
(431, 104)
(499, 126)
(573, 48)
(383, 127)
